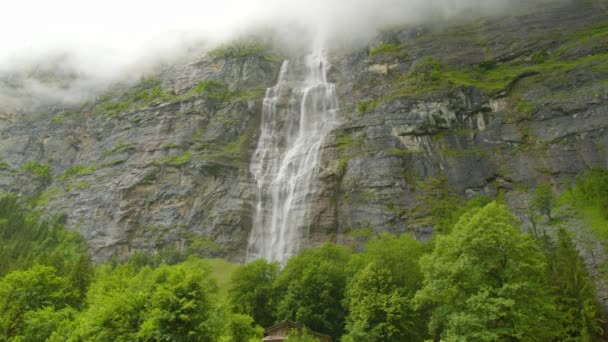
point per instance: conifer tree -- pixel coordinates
(574, 290)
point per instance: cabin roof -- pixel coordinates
(290, 324)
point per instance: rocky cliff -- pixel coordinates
(496, 105)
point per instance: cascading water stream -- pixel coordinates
(298, 113)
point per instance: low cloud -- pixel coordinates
(92, 43)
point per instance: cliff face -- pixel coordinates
(496, 105)
(172, 170)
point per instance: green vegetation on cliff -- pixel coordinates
(147, 92)
(150, 92)
(244, 48)
(580, 51)
(174, 160)
(430, 74)
(590, 199)
(215, 90)
(78, 170)
(26, 240)
(38, 169)
(122, 146)
(384, 48)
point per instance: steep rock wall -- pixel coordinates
(172, 173)
(496, 105)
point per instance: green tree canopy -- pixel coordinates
(170, 303)
(311, 289)
(30, 290)
(570, 282)
(485, 282)
(379, 296)
(180, 306)
(47, 324)
(241, 328)
(543, 200)
(592, 189)
(252, 291)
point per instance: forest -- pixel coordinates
(484, 276)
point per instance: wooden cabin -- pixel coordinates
(280, 332)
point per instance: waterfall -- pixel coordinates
(298, 113)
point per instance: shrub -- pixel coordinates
(242, 48)
(37, 168)
(540, 57)
(214, 89)
(384, 48)
(487, 65)
(78, 170)
(427, 72)
(543, 200)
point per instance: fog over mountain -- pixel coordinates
(87, 45)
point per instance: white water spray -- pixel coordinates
(298, 113)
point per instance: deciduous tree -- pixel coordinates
(311, 289)
(252, 291)
(485, 282)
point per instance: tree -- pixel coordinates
(81, 276)
(170, 303)
(41, 324)
(26, 240)
(379, 310)
(301, 336)
(116, 304)
(439, 206)
(30, 290)
(574, 290)
(379, 296)
(485, 282)
(252, 291)
(592, 190)
(181, 306)
(543, 200)
(436, 204)
(241, 328)
(311, 288)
